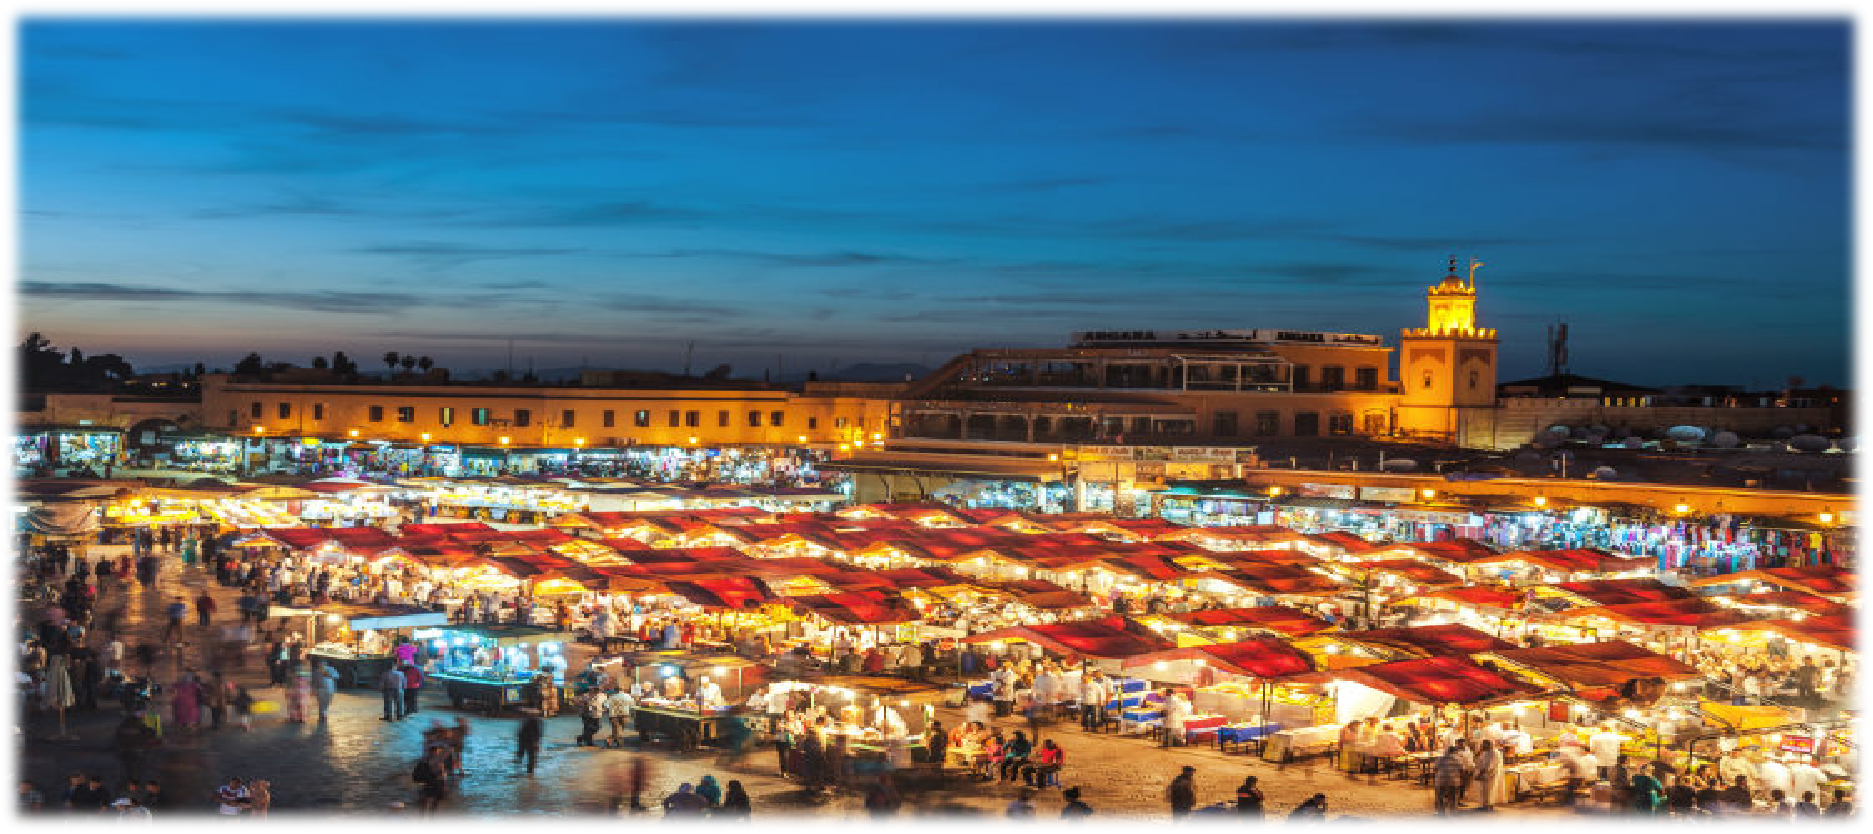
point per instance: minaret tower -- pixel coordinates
(1447, 368)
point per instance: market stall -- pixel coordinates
(493, 666)
(357, 640)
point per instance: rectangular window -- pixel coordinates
(754, 419)
(1333, 377)
(377, 414)
(566, 417)
(1267, 423)
(1307, 424)
(318, 411)
(777, 418)
(445, 416)
(1340, 423)
(642, 418)
(812, 422)
(676, 419)
(256, 411)
(692, 419)
(286, 411)
(1301, 373)
(1225, 424)
(721, 418)
(1375, 423)
(523, 417)
(406, 414)
(610, 418)
(480, 416)
(838, 422)
(1366, 379)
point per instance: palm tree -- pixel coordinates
(390, 359)
(425, 363)
(409, 362)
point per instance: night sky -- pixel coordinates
(603, 192)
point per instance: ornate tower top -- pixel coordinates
(1452, 306)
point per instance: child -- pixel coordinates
(244, 707)
(260, 793)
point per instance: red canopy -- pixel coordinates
(1260, 657)
(860, 609)
(1107, 637)
(1623, 591)
(1482, 596)
(1439, 680)
(724, 592)
(1691, 613)
(1834, 631)
(1289, 621)
(1413, 570)
(1607, 664)
(1448, 639)
(1347, 542)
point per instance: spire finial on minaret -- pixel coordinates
(1453, 264)
(1474, 263)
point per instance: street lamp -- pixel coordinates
(1541, 501)
(504, 460)
(1827, 518)
(1681, 509)
(1427, 494)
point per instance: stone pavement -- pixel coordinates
(355, 764)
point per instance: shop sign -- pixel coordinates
(1393, 494)
(1798, 744)
(1148, 469)
(1328, 491)
(1097, 453)
(1198, 454)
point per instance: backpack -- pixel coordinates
(421, 773)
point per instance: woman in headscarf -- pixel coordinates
(684, 808)
(735, 805)
(298, 693)
(709, 790)
(187, 706)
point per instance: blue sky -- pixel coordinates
(605, 191)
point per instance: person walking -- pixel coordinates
(431, 775)
(1249, 799)
(591, 717)
(618, 706)
(882, 800)
(1647, 792)
(390, 683)
(132, 739)
(324, 686)
(187, 700)
(298, 693)
(1446, 782)
(172, 630)
(204, 610)
(216, 699)
(528, 748)
(1182, 793)
(1093, 697)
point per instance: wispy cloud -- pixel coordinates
(440, 253)
(327, 301)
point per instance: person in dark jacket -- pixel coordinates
(1249, 798)
(1315, 808)
(531, 731)
(1182, 793)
